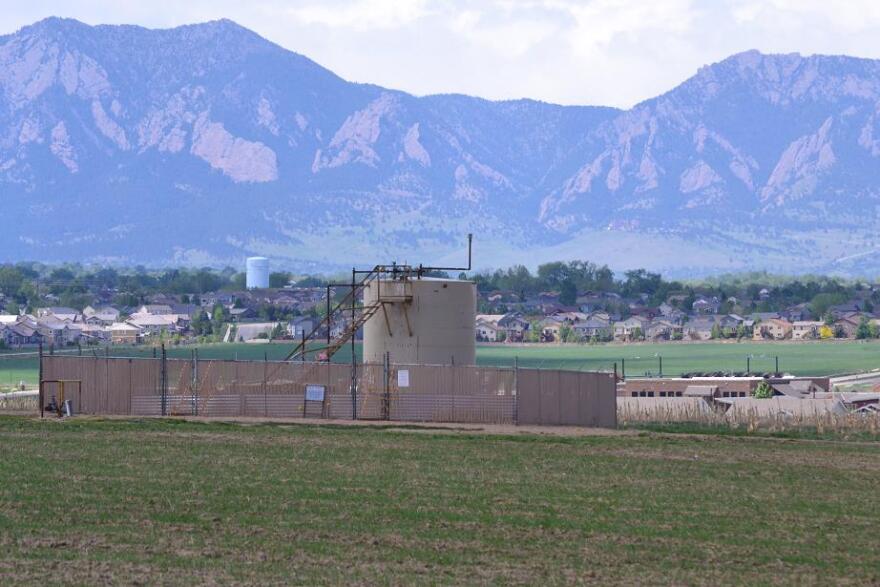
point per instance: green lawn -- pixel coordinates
(161, 502)
(822, 358)
(825, 358)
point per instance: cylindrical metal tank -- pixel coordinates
(425, 321)
(257, 273)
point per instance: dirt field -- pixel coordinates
(154, 501)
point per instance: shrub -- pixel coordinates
(763, 391)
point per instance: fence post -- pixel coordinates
(164, 381)
(386, 377)
(40, 378)
(265, 385)
(516, 390)
(196, 377)
(192, 383)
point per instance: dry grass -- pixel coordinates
(28, 405)
(818, 422)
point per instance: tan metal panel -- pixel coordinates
(435, 327)
(569, 398)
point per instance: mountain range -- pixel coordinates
(204, 144)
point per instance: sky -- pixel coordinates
(597, 52)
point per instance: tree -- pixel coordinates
(637, 333)
(567, 334)
(826, 332)
(763, 391)
(567, 293)
(279, 279)
(822, 302)
(11, 280)
(716, 332)
(863, 330)
(535, 331)
(278, 331)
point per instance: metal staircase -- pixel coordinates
(396, 275)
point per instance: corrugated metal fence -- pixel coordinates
(417, 393)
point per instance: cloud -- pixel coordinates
(361, 14)
(612, 52)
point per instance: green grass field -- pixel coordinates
(160, 502)
(826, 358)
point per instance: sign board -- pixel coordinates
(314, 393)
(403, 378)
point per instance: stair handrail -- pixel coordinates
(375, 272)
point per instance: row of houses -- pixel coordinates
(569, 325)
(61, 326)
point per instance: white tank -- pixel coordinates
(257, 273)
(425, 321)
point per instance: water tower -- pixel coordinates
(257, 273)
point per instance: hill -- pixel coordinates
(206, 143)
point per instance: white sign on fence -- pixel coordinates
(314, 393)
(403, 378)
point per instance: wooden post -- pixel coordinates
(516, 390)
(40, 377)
(164, 382)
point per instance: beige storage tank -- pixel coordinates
(425, 321)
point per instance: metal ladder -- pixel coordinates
(326, 352)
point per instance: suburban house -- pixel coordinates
(242, 314)
(663, 329)
(805, 329)
(630, 328)
(703, 327)
(848, 324)
(105, 315)
(797, 313)
(60, 312)
(153, 324)
(515, 326)
(706, 306)
(595, 326)
(551, 326)
(124, 333)
(488, 331)
(842, 310)
(19, 334)
(774, 328)
(155, 310)
(58, 332)
(300, 326)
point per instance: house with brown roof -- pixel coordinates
(774, 329)
(805, 329)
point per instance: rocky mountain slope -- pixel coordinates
(206, 143)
